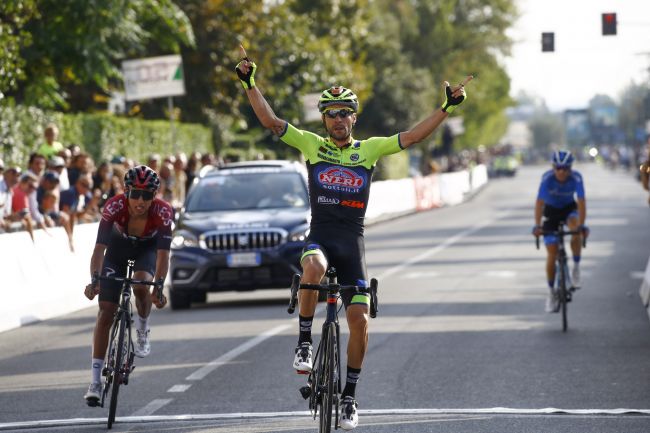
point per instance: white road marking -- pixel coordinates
(229, 356)
(500, 274)
(376, 412)
(425, 274)
(637, 275)
(438, 248)
(179, 388)
(151, 407)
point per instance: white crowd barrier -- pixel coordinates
(44, 279)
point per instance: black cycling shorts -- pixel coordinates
(118, 252)
(345, 251)
(554, 215)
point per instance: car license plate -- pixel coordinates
(238, 260)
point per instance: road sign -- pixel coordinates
(153, 77)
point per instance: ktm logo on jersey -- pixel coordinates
(353, 203)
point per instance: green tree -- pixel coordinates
(77, 46)
(13, 16)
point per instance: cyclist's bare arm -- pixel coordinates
(162, 267)
(96, 262)
(261, 107)
(264, 112)
(97, 259)
(423, 129)
(582, 211)
(426, 127)
(162, 264)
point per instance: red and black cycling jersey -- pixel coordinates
(116, 217)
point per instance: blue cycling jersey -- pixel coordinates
(560, 194)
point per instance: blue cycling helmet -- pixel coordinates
(562, 158)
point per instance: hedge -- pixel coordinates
(101, 135)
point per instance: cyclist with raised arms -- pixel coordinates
(340, 172)
(134, 226)
(561, 197)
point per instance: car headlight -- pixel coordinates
(299, 234)
(184, 239)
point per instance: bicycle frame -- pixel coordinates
(564, 286)
(324, 381)
(120, 354)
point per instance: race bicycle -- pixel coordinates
(563, 284)
(120, 354)
(324, 381)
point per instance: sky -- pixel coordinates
(585, 62)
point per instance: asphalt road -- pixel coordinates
(461, 343)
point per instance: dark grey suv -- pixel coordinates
(243, 227)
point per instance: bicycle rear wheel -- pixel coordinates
(327, 379)
(117, 368)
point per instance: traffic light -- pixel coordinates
(548, 41)
(609, 23)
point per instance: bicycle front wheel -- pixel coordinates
(328, 378)
(116, 369)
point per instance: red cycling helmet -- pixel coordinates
(142, 177)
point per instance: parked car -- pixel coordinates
(242, 227)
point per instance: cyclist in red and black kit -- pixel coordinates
(340, 173)
(134, 226)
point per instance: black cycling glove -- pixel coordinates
(247, 80)
(452, 102)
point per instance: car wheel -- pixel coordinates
(179, 300)
(199, 297)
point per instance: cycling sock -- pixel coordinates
(351, 382)
(97, 369)
(576, 259)
(143, 323)
(305, 328)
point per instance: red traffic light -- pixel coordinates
(609, 23)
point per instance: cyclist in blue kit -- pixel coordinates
(561, 197)
(340, 172)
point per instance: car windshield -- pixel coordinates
(250, 190)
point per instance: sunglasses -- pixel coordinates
(563, 168)
(135, 194)
(342, 112)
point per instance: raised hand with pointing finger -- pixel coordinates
(455, 96)
(246, 70)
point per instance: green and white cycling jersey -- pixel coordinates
(339, 179)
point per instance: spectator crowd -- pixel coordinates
(62, 186)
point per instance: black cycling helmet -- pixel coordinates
(338, 95)
(142, 177)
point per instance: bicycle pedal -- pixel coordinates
(305, 391)
(92, 402)
(302, 372)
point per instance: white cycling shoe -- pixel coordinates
(552, 302)
(302, 362)
(349, 418)
(575, 276)
(93, 394)
(142, 344)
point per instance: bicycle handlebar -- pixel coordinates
(296, 285)
(128, 280)
(562, 234)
